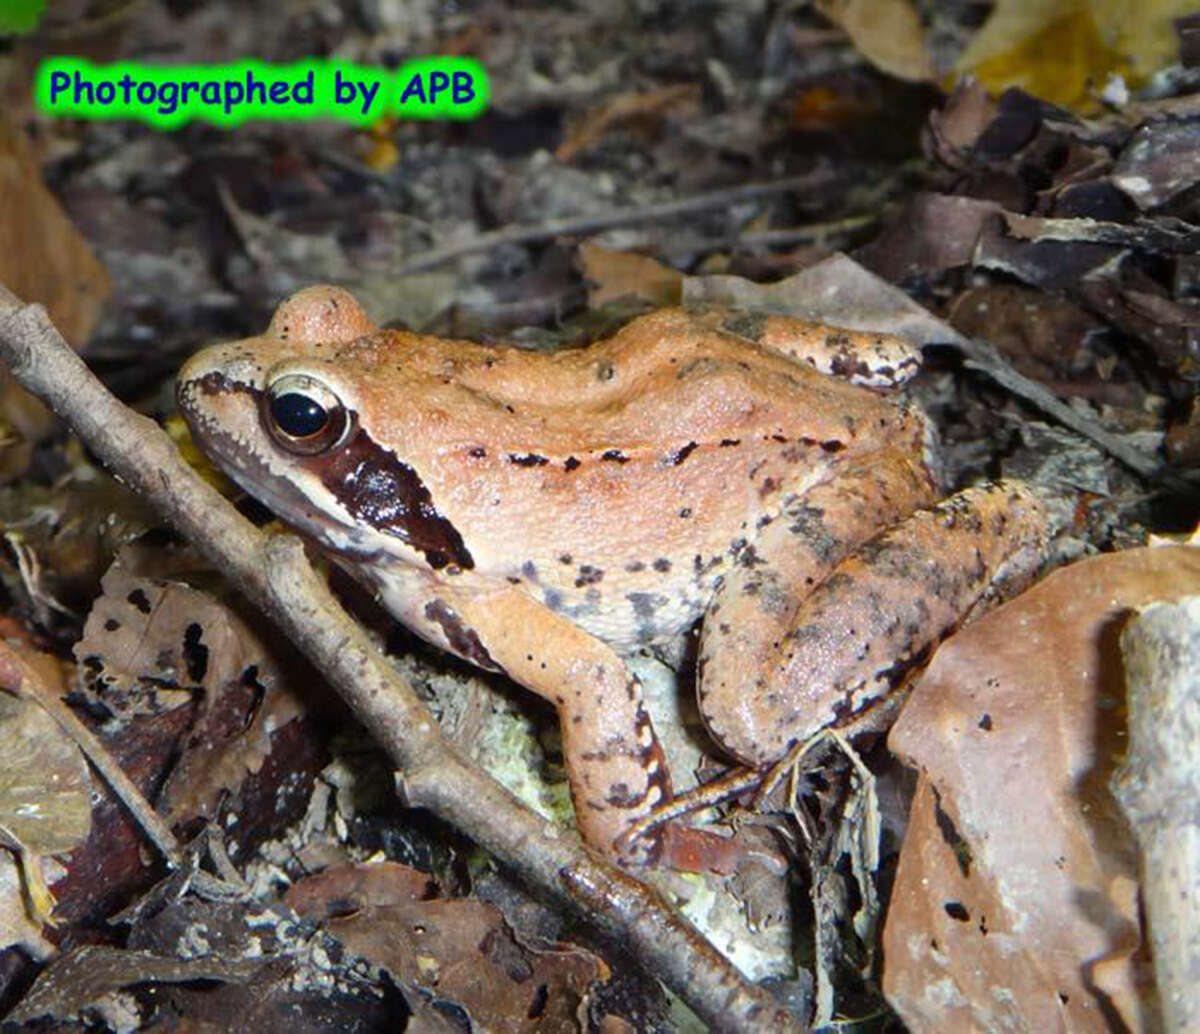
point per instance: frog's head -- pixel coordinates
(288, 419)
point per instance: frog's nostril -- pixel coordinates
(192, 383)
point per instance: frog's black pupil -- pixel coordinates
(298, 415)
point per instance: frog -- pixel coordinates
(751, 480)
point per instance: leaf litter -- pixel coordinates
(1061, 235)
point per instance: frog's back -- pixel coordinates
(616, 483)
(664, 381)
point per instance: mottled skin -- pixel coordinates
(543, 514)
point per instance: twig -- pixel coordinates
(607, 220)
(273, 573)
(980, 357)
(124, 788)
(809, 233)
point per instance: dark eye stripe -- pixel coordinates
(379, 490)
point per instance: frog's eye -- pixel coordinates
(303, 416)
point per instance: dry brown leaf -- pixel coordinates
(74, 982)
(1044, 336)
(44, 783)
(932, 234)
(1014, 904)
(17, 927)
(461, 951)
(42, 256)
(1183, 438)
(1159, 163)
(836, 290)
(42, 259)
(887, 33)
(954, 128)
(67, 548)
(351, 886)
(146, 636)
(624, 274)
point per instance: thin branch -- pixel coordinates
(273, 573)
(123, 788)
(809, 233)
(582, 224)
(981, 357)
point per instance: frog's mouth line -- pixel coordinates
(371, 483)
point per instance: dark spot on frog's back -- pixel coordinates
(527, 459)
(380, 490)
(673, 459)
(847, 364)
(588, 575)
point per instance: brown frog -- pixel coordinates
(545, 514)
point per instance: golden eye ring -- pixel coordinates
(304, 416)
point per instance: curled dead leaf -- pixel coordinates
(1013, 906)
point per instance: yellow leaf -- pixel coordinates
(1064, 51)
(888, 33)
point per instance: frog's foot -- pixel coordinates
(690, 849)
(791, 763)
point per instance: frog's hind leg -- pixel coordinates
(754, 610)
(876, 615)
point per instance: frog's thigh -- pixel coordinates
(617, 769)
(756, 605)
(880, 611)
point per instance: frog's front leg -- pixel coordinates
(617, 769)
(831, 656)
